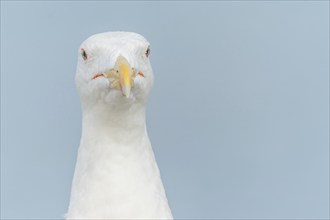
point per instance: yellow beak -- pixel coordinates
(125, 75)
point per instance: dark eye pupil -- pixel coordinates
(83, 54)
(148, 52)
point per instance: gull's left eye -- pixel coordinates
(148, 52)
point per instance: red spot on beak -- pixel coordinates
(141, 74)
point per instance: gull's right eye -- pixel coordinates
(83, 54)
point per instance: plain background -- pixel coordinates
(238, 118)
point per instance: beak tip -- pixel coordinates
(126, 91)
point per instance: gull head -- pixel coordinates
(114, 68)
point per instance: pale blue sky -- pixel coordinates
(238, 118)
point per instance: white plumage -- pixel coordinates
(116, 175)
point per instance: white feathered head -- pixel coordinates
(114, 67)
